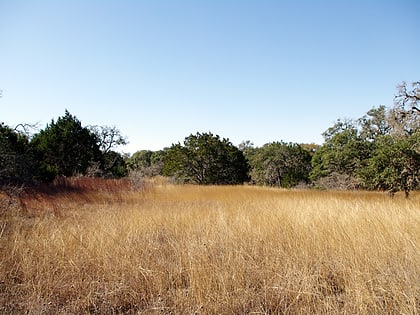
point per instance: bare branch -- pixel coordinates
(408, 98)
(27, 129)
(108, 137)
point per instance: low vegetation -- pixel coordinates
(109, 246)
(379, 151)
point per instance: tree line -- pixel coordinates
(379, 151)
(63, 148)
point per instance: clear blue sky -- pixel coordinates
(246, 70)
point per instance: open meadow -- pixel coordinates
(102, 246)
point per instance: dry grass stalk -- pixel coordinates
(211, 250)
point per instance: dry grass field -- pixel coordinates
(100, 246)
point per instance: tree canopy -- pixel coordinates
(380, 150)
(16, 160)
(377, 151)
(65, 148)
(280, 164)
(394, 164)
(206, 159)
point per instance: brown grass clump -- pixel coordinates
(211, 250)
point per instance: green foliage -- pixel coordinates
(378, 151)
(280, 164)
(344, 152)
(140, 160)
(113, 165)
(394, 164)
(206, 159)
(247, 147)
(16, 160)
(65, 148)
(311, 148)
(157, 161)
(375, 123)
(146, 163)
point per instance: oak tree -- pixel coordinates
(205, 158)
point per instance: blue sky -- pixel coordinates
(246, 70)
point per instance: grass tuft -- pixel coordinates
(103, 247)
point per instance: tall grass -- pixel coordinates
(211, 250)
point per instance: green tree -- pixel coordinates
(247, 147)
(206, 159)
(108, 137)
(395, 161)
(343, 153)
(157, 161)
(113, 165)
(375, 123)
(394, 164)
(311, 148)
(110, 163)
(16, 159)
(280, 164)
(378, 151)
(140, 160)
(65, 148)
(146, 163)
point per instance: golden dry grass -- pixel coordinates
(211, 250)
